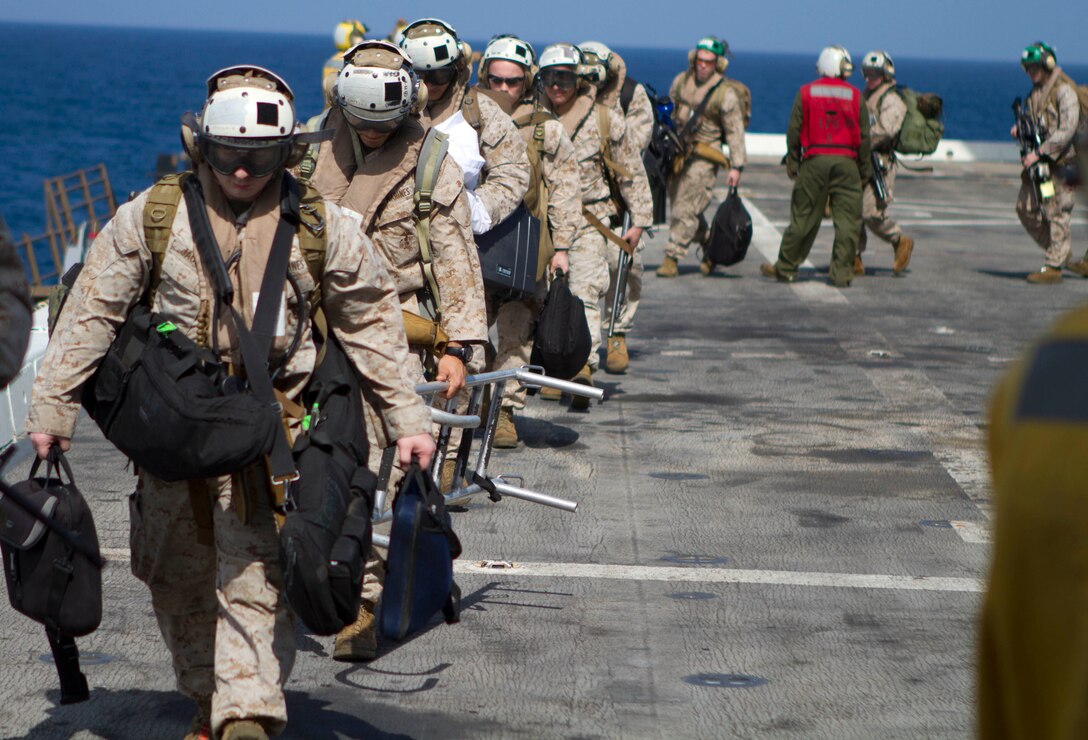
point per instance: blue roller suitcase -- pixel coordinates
(422, 548)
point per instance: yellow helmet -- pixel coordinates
(347, 34)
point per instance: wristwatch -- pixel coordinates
(464, 354)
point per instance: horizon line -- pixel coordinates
(313, 34)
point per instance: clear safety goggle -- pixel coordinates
(257, 160)
(564, 79)
(378, 127)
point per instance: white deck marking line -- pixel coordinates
(953, 439)
(726, 575)
(995, 222)
(973, 532)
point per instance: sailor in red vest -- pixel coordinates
(828, 140)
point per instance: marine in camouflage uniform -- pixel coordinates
(581, 117)
(220, 608)
(630, 98)
(554, 195)
(1054, 104)
(886, 114)
(722, 122)
(378, 182)
(505, 176)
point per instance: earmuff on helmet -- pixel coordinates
(1039, 54)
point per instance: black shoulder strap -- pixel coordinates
(627, 94)
(254, 348)
(689, 127)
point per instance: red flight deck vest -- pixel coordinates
(830, 125)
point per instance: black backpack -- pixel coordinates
(730, 232)
(324, 542)
(422, 548)
(562, 343)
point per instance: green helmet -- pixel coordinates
(1039, 54)
(714, 45)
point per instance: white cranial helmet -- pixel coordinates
(880, 60)
(561, 55)
(509, 49)
(431, 44)
(834, 61)
(595, 57)
(248, 102)
(377, 82)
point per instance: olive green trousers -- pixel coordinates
(819, 179)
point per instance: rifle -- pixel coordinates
(1030, 139)
(619, 295)
(880, 185)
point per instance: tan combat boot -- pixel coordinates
(706, 266)
(1080, 267)
(617, 359)
(550, 394)
(445, 475)
(358, 641)
(584, 377)
(506, 432)
(243, 729)
(1046, 276)
(201, 726)
(903, 248)
(668, 268)
(859, 266)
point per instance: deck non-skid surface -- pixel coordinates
(782, 526)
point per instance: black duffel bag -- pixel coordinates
(325, 541)
(49, 580)
(730, 232)
(170, 406)
(562, 343)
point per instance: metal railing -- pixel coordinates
(472, 479)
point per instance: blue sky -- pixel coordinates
(916, 28)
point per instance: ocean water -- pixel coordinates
(73, 97)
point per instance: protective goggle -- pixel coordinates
(257, 159)
(563, 79)
(440, 76)
(378, 127)
(496, 81)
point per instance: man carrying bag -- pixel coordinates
(207, 545)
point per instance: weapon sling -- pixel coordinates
(254, 345)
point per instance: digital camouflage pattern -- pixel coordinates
(886, 113)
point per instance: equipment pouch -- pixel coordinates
(424, 332)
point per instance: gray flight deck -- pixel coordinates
(782, 528)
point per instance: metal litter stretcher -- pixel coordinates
(474, 479)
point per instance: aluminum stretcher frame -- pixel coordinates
(477, 478)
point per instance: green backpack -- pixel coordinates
(922, 128)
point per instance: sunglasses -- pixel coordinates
(496, 81)
(560, 78)
(378, 127)
(257, 160)
(441, 76)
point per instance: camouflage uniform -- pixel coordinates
(639, 127)
(1055, 104)
(15, 309)
(886, 113)
(590, 253)
(380, 185)
(561, 181)
(722, 122)
(219, 608)
(505, 177)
